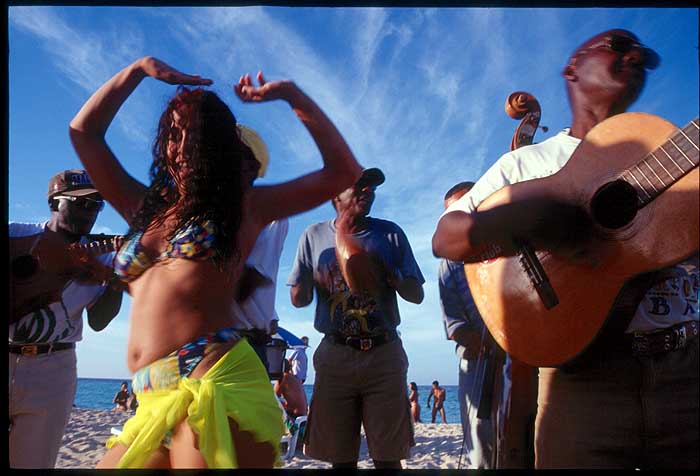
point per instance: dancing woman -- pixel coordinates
(205, 398)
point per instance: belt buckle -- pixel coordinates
(365, 343)
(681, 338)
(640, 344)
(29, 350)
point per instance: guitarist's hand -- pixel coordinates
(117, 242)
(545, 224)
(86, 267)
(565, 229)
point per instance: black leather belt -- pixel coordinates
(368, 342)
(255, 336)
(661, 341)
(36, 349)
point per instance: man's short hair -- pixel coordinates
(435, 382)
(466, 186)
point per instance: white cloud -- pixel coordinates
(87, 59)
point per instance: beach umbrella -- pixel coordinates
(289, 338)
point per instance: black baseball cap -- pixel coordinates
(372, 177)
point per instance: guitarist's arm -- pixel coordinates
(99, 269)
(545, 223)
(105, 308)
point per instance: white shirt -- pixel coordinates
(61, 321)
(667, 303)
(299, 362)
(259, 309)
(526, 163)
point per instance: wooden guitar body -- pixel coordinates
(661, 233)
(41, 266)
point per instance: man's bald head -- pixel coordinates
(607, 72)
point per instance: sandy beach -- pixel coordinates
(437, 445)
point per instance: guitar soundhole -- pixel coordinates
(24, 267)
(615, 204)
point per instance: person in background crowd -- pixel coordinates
(122, 397)
(360, 364)
(298, 360)
(413, 399)
(464, 326)
(291, 391)
(438, 402)
(42, 360)
(254, 307)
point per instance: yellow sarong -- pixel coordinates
(236, 387)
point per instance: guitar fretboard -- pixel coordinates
(664, 166)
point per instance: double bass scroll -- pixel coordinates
(522, 105)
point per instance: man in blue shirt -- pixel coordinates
(464, 325)
(360, 363)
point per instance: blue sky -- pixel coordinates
(416, 92)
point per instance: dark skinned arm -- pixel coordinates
(409, 288)
(544, 223)
(105, 308)
(250, 281)
(301, 294)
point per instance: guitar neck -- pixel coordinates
(664, 166)
(97, 247)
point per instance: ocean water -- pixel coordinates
(98, 393)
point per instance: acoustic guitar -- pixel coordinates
(636, 175)
(41, 266)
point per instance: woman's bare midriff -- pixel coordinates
(176, 302)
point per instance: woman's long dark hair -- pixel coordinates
(214, 152)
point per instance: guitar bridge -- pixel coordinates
(534, 270)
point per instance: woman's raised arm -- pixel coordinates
(87, 131)
(340, 168)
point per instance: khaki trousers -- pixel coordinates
(354, 388)
(41, 393)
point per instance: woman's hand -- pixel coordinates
(248, 92)
(157, 69)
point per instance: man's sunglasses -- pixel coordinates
(83, 202)
(624, 44)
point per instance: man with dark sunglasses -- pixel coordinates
(42, 358)
(632, 401)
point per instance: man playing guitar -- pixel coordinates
(42, 337)
(633, 403)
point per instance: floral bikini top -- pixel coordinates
(194, 242)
